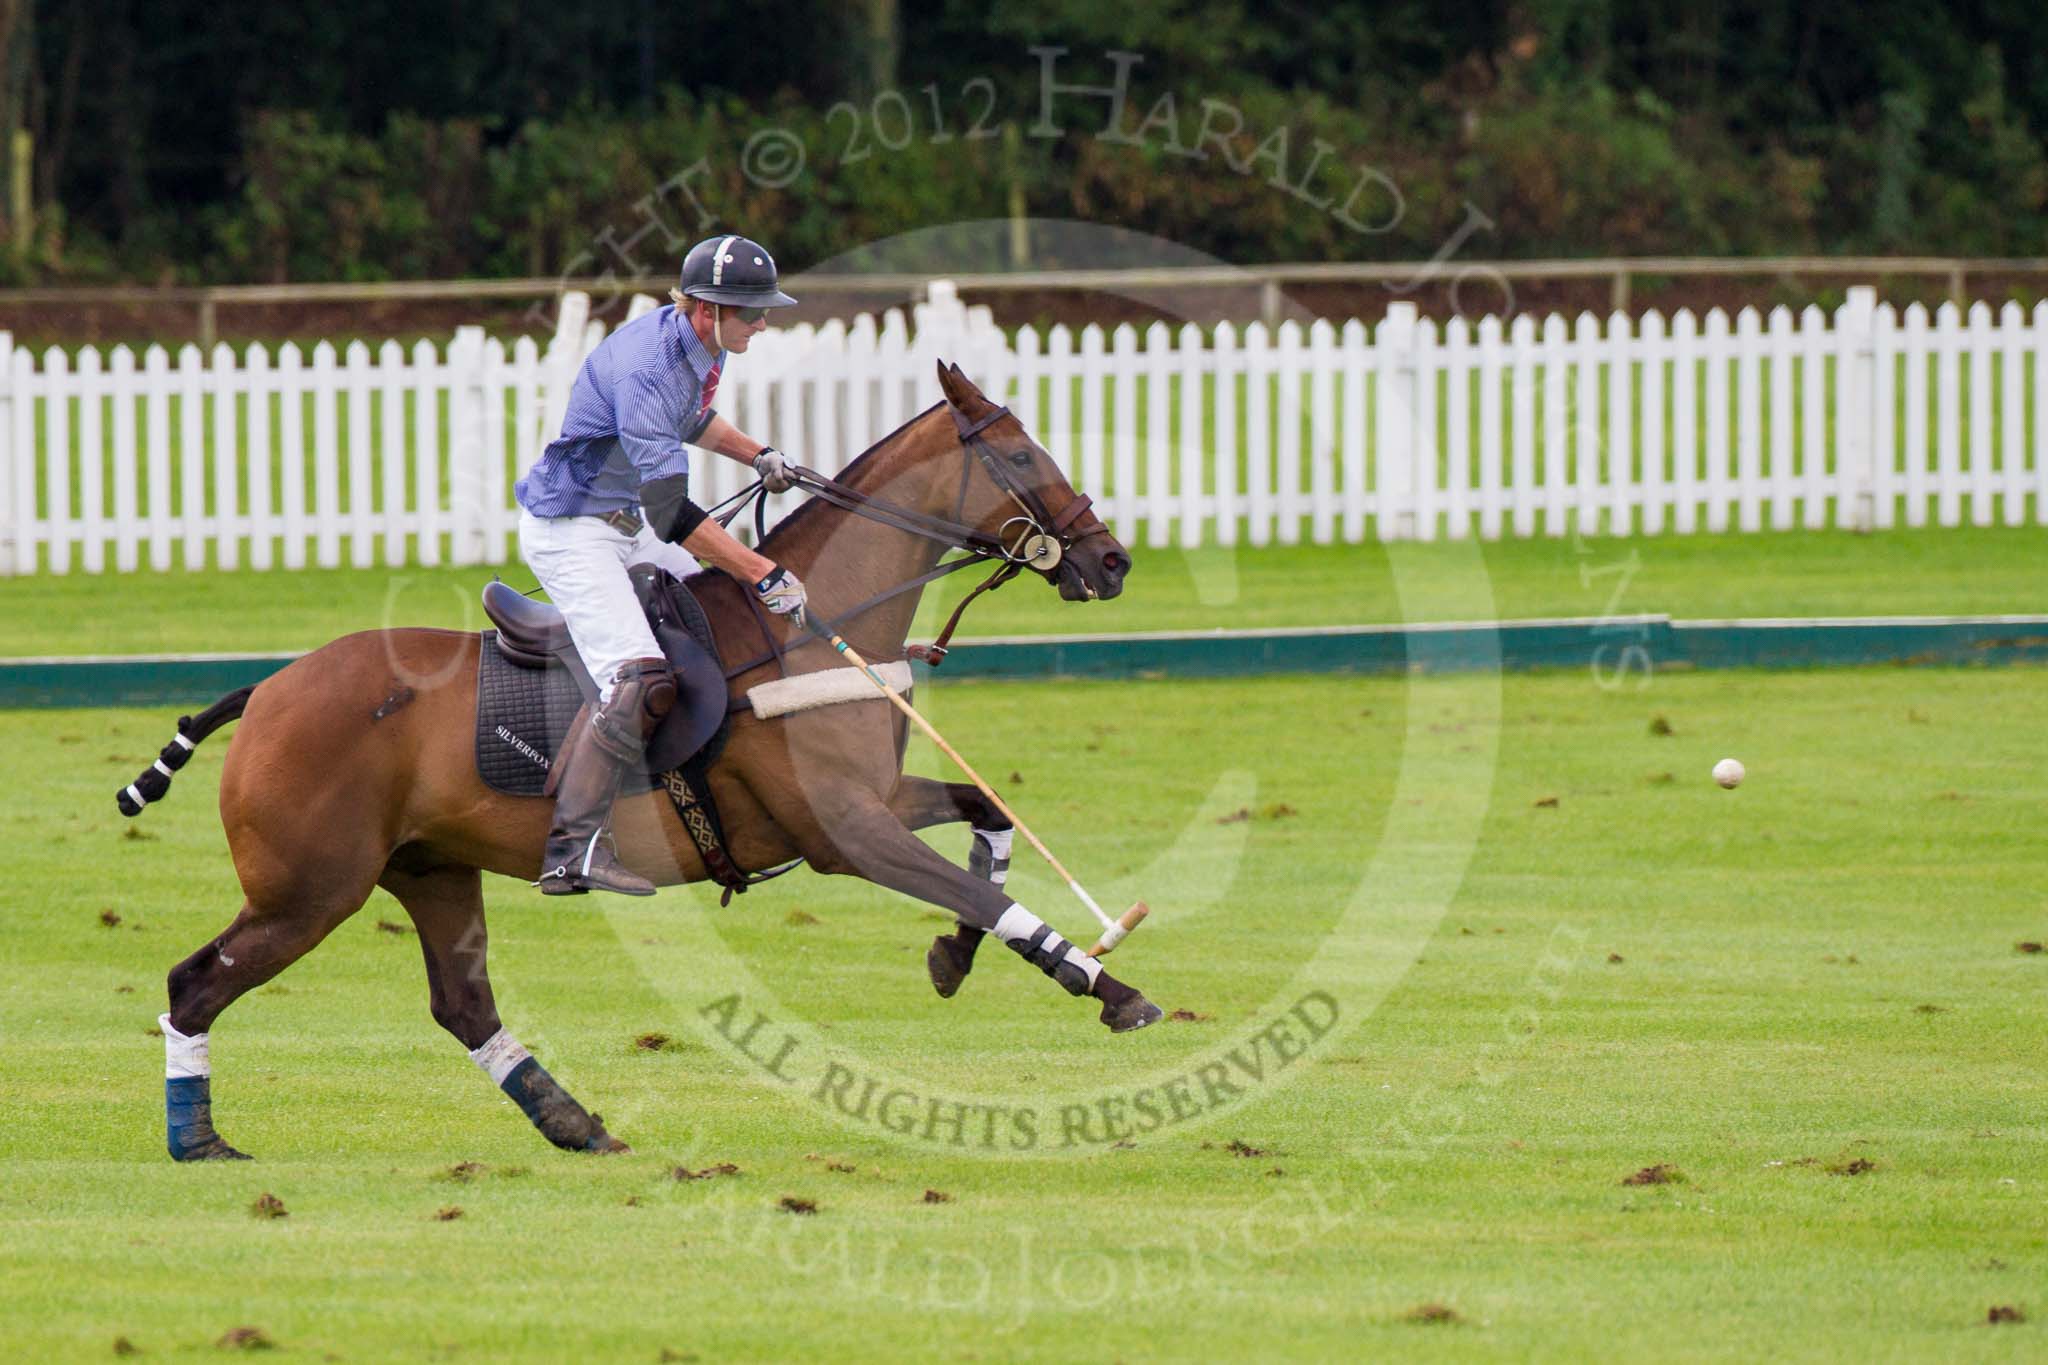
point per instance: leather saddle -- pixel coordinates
(532, 635)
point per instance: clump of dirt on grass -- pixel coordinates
(1859, 1166)
(1433, 1315)
(109, 920)
(124, 990)
(937, 1197)
(1278, 810)
(797, 919)
(708, 1173)
(1663, 1173)
(1930, 1009)
(1189, 1017)
(1615, 957)
(793, 1204)
(125, 1347)
(246, 1339)
(449, 1214)
(268, 1205)
(831, 1163)
(136, 834)
(1546, 803)
(462, 1172)
(1660, 725)
(670, 1357)
(1016, 778)
(2027, 947)
(651, 1042)
(1661, 779)
(385, 926)
(2004, 1312)
(1239, 1147)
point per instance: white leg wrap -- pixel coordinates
(1016, 923)
(183, 1057)
(498, 1056)
(1019, 925)
(999, 842)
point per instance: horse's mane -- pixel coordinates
(814, 507)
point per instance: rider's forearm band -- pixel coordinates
(669, 509)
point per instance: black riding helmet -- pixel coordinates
(733, 271)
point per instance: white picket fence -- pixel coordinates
(1866, 418)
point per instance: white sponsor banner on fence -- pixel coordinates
(1866, 417)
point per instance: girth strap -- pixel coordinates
(707, 831)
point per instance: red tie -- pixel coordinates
(710, 389)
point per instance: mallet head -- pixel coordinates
(1115, 933)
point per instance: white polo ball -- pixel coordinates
(1729, 772)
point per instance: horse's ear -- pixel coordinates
(959, 391)
(959, 387)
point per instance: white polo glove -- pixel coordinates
(783, 594)
(773, 467)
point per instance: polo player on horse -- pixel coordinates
(614, 491)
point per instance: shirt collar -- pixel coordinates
(702, 362)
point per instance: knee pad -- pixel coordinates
(643, 692)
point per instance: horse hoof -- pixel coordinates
(604, 1144)
(944, 967)
(1134, 1013)
(213, 1149)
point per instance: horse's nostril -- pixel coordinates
(1116, 564)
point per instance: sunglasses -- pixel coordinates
(750, 315)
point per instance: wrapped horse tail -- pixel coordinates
(155, 781)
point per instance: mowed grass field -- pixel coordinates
(1901, 572)
(1559, 955)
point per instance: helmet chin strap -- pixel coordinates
(718, 326)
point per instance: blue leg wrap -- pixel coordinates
(553, 1110)
(188, 1120)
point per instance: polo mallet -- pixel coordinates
(1113, 930)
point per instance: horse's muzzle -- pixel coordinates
(1101, 579)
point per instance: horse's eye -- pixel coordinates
(1021, 458)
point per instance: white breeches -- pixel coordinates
(582, 563)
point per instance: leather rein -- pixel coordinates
(1039, 545)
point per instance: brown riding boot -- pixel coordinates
(579, 854)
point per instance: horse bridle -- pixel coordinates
(1040, 545)
(1045, 537)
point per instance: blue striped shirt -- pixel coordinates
(643, 392)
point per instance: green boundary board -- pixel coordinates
(1607, 646)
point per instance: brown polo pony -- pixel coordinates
(353, 767)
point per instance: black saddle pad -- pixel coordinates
(523, 714)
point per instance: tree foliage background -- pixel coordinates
(235, 141)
